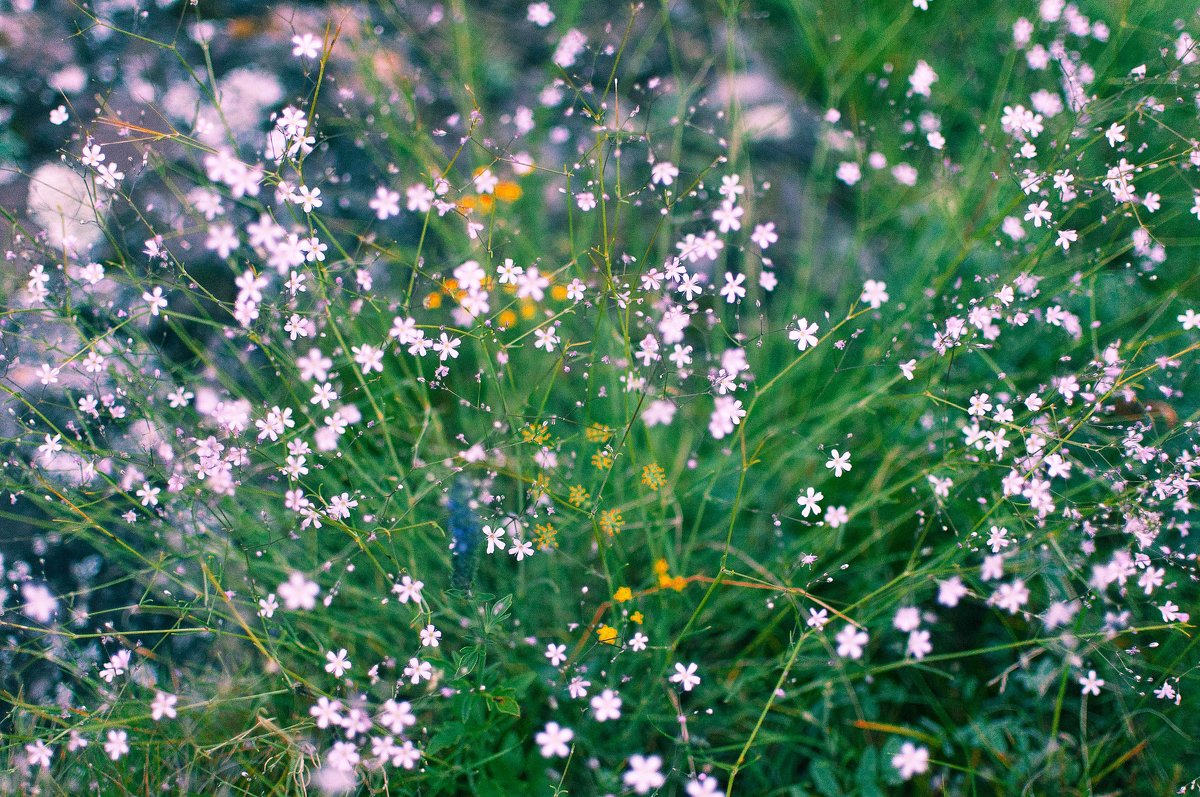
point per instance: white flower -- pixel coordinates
(951, 591)
(163, 706)
(61, 203)
(306, 46)
(116, 746)
(368, 357)
(922, 79)
(606, 706)
(704, 786)
(417, 670)
(911, 760)
(644, 773)
(839, 463)
(485, 182)
(430, 636)
(553, 740)
(39, 754)
(397, 716)
(494, 538)
(764, 235)
(539, 14)
(874, 293)
(663, 173)
(298, 592)
(267, 606)
(309, 198)
(408, 590)
(849, 172)
(155, 300)
(836, 516)
(327, 712)
(521, 549)
(386, 203)
(556, 653)
(733, 289)
(686, 676)
(810, 502)
(804, 335)
(918, 645)
(1091, 683)
(338, 663)
(406, 756)
(850, 642)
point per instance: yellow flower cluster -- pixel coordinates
(611, 521)
(665, 579)
(654, 477)
(538, 435)
(578, 495)
(598, 433)
(545, 536)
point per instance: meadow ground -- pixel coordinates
(770, 397)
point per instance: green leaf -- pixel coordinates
(824, 779)
(467, 659)
(867, 774)
(504, 700)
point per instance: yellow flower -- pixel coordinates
(602, 460)
(538, 435)
(623, 594)
(665, 579)
(611, 521)
(545, 536)
(507, 191)
(540, 486)
(607, 634)
(577, 495)
(598, 433)
(654, 477)
(637, 617)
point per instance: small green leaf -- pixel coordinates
(504, 700)
(823, 778)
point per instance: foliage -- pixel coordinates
(588, 413)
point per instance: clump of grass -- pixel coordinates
(384, 418)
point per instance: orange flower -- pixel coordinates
(507, 191)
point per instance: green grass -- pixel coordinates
(714, 560)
